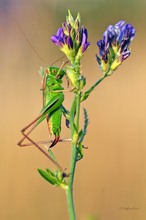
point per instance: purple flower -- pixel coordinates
(84, 38)
(71, 38)
(114, 46)
(60, 39)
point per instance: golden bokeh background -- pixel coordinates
(110, 181)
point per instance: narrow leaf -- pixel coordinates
(48, 175)
(51, 154)
(86, 122)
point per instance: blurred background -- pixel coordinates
(110, 180)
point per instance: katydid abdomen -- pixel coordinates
(53, 98)
(54, 124)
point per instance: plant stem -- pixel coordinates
(69, 191)
(74, 125)
(87, 93)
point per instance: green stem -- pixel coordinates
(78, 101)
(74, 125)
(69, 191)
(87, 93)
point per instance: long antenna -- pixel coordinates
(29, 42)
(57, 60)
(25, 36)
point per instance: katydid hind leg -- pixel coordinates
(31, 125)
(37, 120)
(44, 152)
(46, 142)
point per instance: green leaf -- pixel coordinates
(55, 178)
(51, 154)
(86, 121)
(48, 175)
(81, 136)
(83, 132)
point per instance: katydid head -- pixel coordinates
(56, 72)
(51, 83)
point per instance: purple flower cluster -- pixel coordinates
(61, 39)
(71, 38)
(115, 43)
